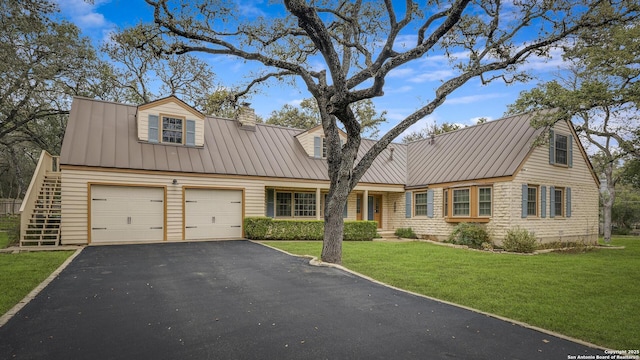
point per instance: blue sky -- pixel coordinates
(405, 88)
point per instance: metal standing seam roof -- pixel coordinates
(489, 150)
(104, 134)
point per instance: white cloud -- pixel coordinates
(552, 63)
(421, 124)
(295, 102)
(471, 98)
(398, 90)
(435, 75)
(84, 14)
(404, 42)
(250, 8)
(400, 73)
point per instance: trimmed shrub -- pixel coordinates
(360, 230)
(406, 233)
(257, 227)
(469, 234)
(265, 228)
(519, 240)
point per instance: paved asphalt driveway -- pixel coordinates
(240, 300)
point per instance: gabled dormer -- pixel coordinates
(170, 121)
(313, 141)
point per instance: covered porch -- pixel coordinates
(374, 203)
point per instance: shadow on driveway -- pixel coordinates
(240, 300)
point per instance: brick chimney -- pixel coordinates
(247, 117)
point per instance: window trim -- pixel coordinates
(556, 135)
(323, 147)
(536, 202)
(560, 190)
(490, 201)
(292, 205)
(183, 119)
(474, 208)
(425, 205)
(453, 202)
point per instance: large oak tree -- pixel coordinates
(358, 44)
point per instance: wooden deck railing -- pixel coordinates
(46, 164)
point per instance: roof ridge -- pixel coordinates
(102, 101)
(469, 127)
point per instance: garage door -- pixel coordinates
(213, 214)
(126, 213)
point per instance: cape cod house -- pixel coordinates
(162, 171)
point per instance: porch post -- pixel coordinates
(365, 206)
(318, 204)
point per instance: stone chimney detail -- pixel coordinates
(247, 117)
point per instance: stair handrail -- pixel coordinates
(45, 165)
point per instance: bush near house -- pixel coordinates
(265, 228)
(406, 233)
(519, 240)
(469, 234)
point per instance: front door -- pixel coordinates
(375, 209)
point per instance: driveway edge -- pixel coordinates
(14, 310)
(314, 261)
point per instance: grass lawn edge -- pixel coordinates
(314, 261)
(17, 307)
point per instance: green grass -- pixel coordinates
(20, 273)
(4, 240)
(593, 296)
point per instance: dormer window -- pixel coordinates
(324, 148)
(560, 149)
(174, 130)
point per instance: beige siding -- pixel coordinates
(168, 108)
(306, 139)
(507, 202)
(75, 197)
(434, 228)
(583, 223)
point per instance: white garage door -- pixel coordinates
(213, 214)
(126, 213)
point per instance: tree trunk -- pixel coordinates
(608, 198)
(334, 221)
(333, 234)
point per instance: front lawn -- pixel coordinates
(21, 273)
(591, 296)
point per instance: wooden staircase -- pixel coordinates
(43, 224)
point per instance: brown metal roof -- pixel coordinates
(104, 134)
(489, 150)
